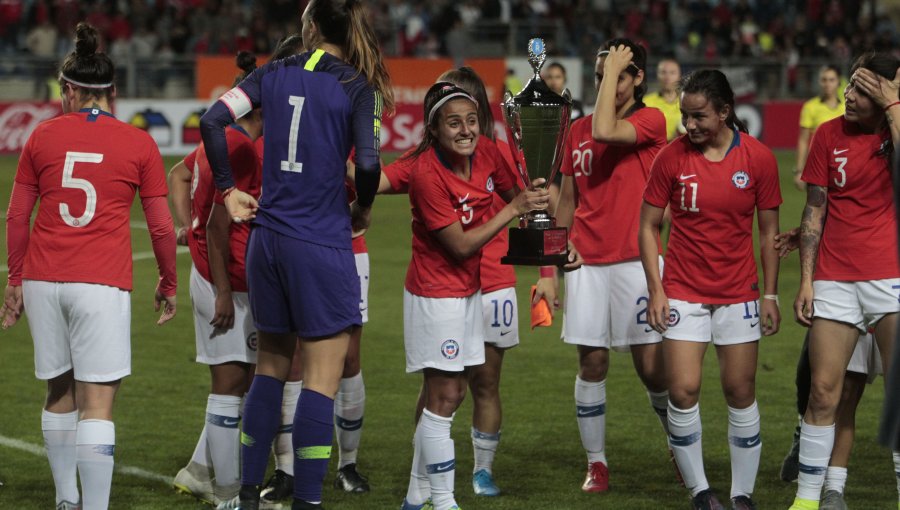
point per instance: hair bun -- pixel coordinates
(86, 40)
(246, 61)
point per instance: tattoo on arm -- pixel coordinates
(811, 228)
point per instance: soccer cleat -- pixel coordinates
(597, 479)
(427, 505)
(194, 480)
(248, 499)
(832, 500)
(67, 505)
(483, 484)
(348, 479)
(804, 504)
(790, 467)
(706, 500)
(279, 487)
(742, 503)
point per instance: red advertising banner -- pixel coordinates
(18, 120)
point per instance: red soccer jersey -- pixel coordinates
(244, 161)
(610, 181)
(439, 198)
(710, 253)
(859, 241)
(87, 167)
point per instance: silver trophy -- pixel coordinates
(537, 122)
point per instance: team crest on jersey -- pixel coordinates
(490, 185)
(450, 349)
(740, 179)
(252, 342)
(674, 317)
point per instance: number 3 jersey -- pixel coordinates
(315, 109)
(859, 241)
(610, 180)
(87, 167)
(709, 258)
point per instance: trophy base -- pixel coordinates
(537, 247)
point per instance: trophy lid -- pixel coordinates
(537, 54)
(536, 91)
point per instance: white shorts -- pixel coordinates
(501, 318)
(442, 333)
(723, 324)
(860, 304)
(80, 326)
(606, 305)
(866, 358)
(215, 346)
(362, 269)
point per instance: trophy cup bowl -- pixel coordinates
(537, 122)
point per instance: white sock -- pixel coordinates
(686, 441)
(440, 458)
(896, 456)
(284, 449)
(223, 436)
(590, 406)
(660, 403)
(419, 488)
(835, 478)
(95, 444)
(349, 405)
(745, 445)
(485, 447)
(815, 451)
(201, 456)
(59, 441)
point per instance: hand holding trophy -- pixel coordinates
(537, 121)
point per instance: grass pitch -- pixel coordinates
(540, 463)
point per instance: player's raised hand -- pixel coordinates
(770, 317)
(167, 303)
(241, 206)
(786, 242)
(880, 89)
(803, 305)
(617, 59)
(12, 306)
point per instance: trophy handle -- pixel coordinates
(513, 125)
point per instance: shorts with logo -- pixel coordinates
(866, 358)
(501, 318)
(860, 304)
(722, 324)
(442, 333)
(362, 269)
(215, 346)
(80, 326)
(301, 287)
(606, 305)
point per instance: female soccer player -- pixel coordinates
(72, 273)
(450, 190)
(824, 107)
(849, 273)
(300, 267)
(668, 74)
(712, 180)
(498, 297)
(607, 159)
(223, 326)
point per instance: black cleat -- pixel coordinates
(279, 487)
(349, 480)
(742, 503)
(299, 504)
(706, 500)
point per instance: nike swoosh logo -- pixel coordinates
(230, 422)
(363, 309)
(647, 330)
(836, 152)
(584, 413)
(683, 177)
(752, 443)
(504, 333)
(753, 324)
(582, 144)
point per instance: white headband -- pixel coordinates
(86, 85)
(443, 100)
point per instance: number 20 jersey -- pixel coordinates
(87, 166)
(315, 109)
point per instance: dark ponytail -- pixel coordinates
(714, 86)
(290, 45)
(92, 72)
(246, 62)
(344, 23)
(640, 64)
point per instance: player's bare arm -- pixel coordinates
(884, 93)
(787, 241)
(648, 243)
(770, 317)
(180, 198)
(12, 306)
(811, 226)
(217, 231)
